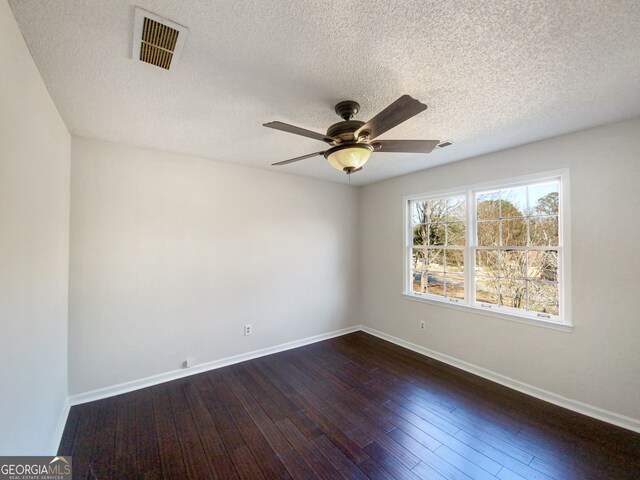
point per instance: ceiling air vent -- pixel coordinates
(156, 40)
(445, 144)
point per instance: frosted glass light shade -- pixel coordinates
(349, 156)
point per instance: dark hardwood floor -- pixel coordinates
(351, 407)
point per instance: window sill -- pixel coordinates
(505, 316)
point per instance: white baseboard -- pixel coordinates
(583, 408)
(62, 422)
(125, 387)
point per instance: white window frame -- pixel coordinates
(562, 321)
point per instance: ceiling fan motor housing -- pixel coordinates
(344, 130)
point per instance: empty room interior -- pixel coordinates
(321, 239)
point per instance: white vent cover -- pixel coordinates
(156, 40)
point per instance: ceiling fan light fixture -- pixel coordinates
(348, 157)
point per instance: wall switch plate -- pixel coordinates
(423, 325)
(248, 329)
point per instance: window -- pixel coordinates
(437, 254)
(493, 247)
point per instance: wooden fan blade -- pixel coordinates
(405, 146)
(285, 127)
(402, 109)
(297, 159)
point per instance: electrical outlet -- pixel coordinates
(189, 362)
(423, 325)
(248, 329)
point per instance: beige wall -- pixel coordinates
(34, 246)
(599, 362)
(171, 255)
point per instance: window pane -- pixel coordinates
(437, 210)
(543, 231)
(488, 205)
(513, 293)
(543, 297)
(543, 265)
(513, 263)
(488, 233)
(420, 234)
(455, 233)
(455, 285)
(514, 232)
(487, 262)
(454, 261)
(436, 234)
(487, 290)
(436, 260)
(513, 202)
(435, 283)
(419, 212)
(418, 282)
(418, 259)
(543, 199)
(456, 209)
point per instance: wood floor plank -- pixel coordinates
(352, 407)
(229, 433)
(84, 439)
(372, 431)
(476, 439)
(374, 471)
(220, 464)
(427, 457)
(171, 460)
(124, 460)
(493, 453)
(389, 462)
(282, 448)
(258, 445)
(425, 472)
(417, 434)
(276, 405)
(193, 452)
(103, 452)
(314, 403)
(334, 432)
(246, 465)
(506, 474)
(470, 466)
(338, 460)
(346, 395)
(147, 452)
(316, 461)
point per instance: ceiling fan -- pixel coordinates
(353, 141)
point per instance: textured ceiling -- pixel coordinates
(494, 73)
